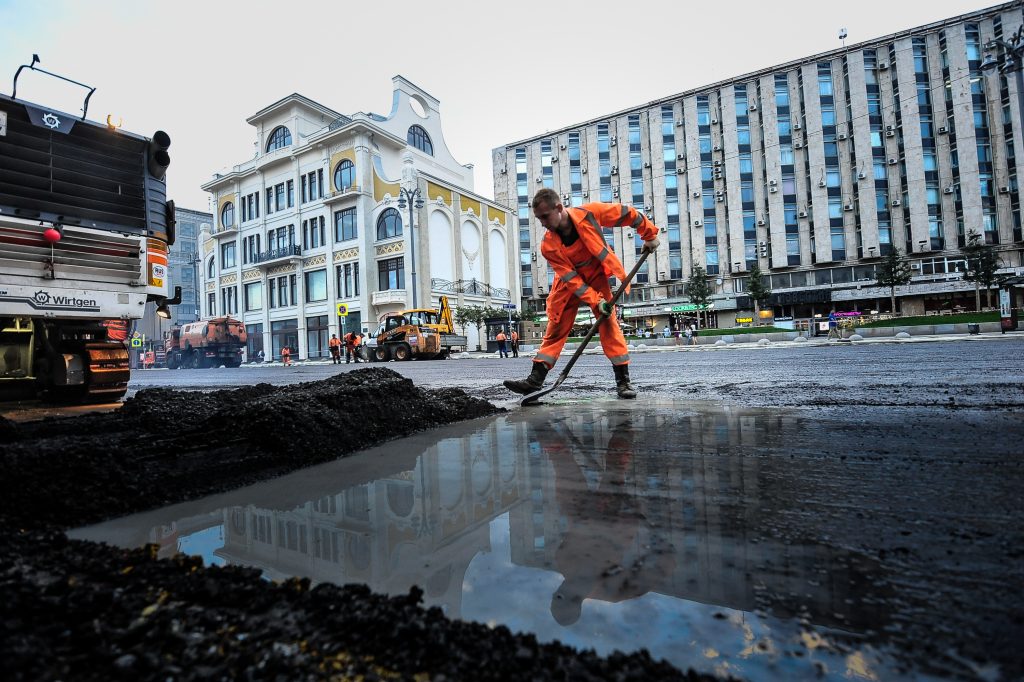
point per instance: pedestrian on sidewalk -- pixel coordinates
(833, 325)
(689, 335)
(575, 248)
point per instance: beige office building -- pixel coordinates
(814, 170)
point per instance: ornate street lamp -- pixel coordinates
(411, 198)
(192, 258)
(1009, 60)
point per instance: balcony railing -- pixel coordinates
(277, 254)
(339, 194)
(221, 231)
(470, 287)
(389, 296)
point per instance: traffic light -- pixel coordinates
(159, 159)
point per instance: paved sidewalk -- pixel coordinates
(709, 344)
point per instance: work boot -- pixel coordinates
(530, 384)
(622, 385)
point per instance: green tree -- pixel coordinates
(982, 263)
(757, 289)
(698, 290)
(892, 272)
(470, 315)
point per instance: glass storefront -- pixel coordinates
(316, 337)
(284, 333)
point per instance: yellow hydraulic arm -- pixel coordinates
(446, 316)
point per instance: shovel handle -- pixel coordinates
(593, 328)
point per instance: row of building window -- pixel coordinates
(416, 136)
(389, 226)
(283, 292)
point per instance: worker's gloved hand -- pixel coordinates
(651, 246)
(605, 308)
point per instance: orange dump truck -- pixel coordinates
(208, 343)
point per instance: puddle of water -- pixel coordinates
(603, 526)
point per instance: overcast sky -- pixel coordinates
(503, 71)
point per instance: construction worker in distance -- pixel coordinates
(286, 356)
(575, 248)
(350, 346)
(502, 348)
(357, 347)
(335, 348)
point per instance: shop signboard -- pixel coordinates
(691, 307)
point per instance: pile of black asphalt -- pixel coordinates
(74, 610)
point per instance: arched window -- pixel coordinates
(281, 137)
(389, 224)
(344, 175)
(227, 215)
(210, 267)
(418, 138)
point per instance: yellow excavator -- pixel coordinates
(422, 333)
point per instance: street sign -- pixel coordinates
(342, 310)
(136, 343)
(509, 306)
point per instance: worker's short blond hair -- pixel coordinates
(547, 196)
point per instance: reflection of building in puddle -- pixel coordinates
(620, 502)
(419, 527)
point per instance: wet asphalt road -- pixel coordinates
(978, 372)
(853, 510)
(881, 479)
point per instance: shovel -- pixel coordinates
(536, 395)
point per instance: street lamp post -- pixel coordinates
(411, 198)
(1010, 60)
(193, 259)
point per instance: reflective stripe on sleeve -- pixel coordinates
(582, 290)
(567, 277)
(638, 221)
(622, 218)
(604, 254)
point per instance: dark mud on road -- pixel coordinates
(81, 610)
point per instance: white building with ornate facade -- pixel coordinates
(316, 220)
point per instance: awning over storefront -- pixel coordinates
(582, 317)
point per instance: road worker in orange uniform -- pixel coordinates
(335, 345)
(575, 248)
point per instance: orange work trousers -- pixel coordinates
(563, 299)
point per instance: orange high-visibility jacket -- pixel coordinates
(588, 219)
(335, 341)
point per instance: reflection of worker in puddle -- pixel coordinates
(601, 555)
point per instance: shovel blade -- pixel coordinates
(532, 398)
